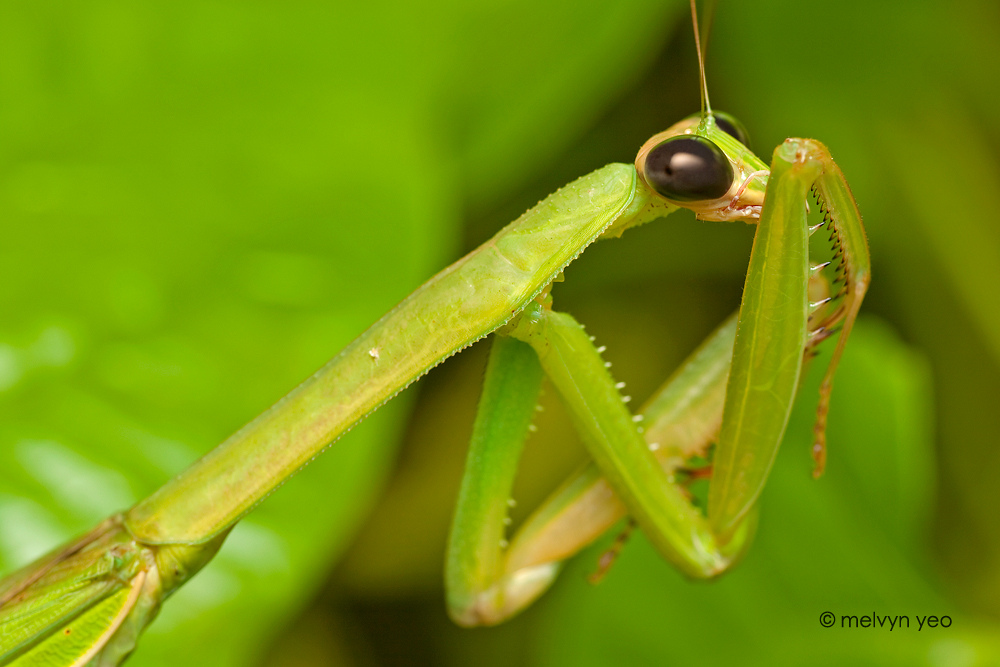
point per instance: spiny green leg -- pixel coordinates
(853, 270)
(681, 421)
(478, 592)
(613, 439)
(772, 332)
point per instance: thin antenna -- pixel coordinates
(706, 106)
(707, 19)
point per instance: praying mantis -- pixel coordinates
(88, 602)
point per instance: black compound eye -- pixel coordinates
(688, 168)
(729, 124)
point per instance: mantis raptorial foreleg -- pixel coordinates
(488, 582)
(613, 440)
(775, 333)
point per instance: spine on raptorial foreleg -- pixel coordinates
(853, 274)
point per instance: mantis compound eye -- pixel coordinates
(729, 124)
(688, 168)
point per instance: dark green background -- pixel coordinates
(201, 202)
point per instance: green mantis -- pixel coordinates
(90, 600)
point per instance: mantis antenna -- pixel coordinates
(707, 20)
(706, 107)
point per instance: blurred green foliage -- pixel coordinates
(203, 201)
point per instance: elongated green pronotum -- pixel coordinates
(87, 602)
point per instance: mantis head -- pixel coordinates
(702, 163)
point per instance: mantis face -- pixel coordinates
(702, 163)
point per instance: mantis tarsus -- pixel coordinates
(87, 603)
